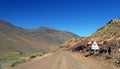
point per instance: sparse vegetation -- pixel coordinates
(107, 57)
(33, 56)
(0, 66)
(117, 63)
(107, 37)
(18, 42)
(88, 54)
(20, 60)
(15, 63)
(98, 54)
(26, 58)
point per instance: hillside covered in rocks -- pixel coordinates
(107, 38)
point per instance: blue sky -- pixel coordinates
(82, 17)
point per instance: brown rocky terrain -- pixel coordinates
(18, 45)
(18, 39)
(108, 39)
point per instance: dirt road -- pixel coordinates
(60, 60)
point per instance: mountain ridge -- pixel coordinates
(107, 38)
(20, 39)
(109, 31)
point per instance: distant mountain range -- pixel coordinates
(14, 38)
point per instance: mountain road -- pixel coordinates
(61, 60)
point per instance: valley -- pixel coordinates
(19, 47)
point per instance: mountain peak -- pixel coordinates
(109, 31)
(114, 21)
(36, 39)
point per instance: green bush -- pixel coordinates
(91, 53)
(107, 57)
(21, 60)
(33, 56)
(88, 54)
(40, 54)
(0, 59)
(98, 54)
(15, 63)
(21, 53)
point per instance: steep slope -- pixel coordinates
(29, 40)
(108, 32)
(107, 36)
(108, 39)
(10, 37)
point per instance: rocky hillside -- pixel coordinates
(14, 38)
(109, 36)
(108, 39)
(108, 32)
